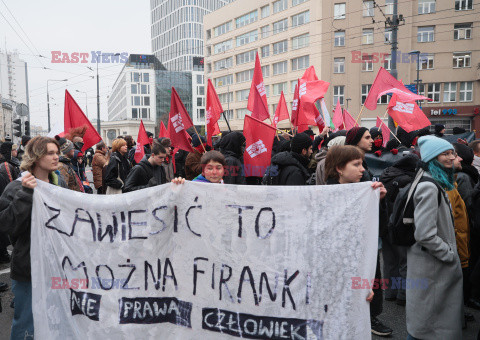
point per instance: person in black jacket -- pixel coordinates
(40, 160)
(118, 167)
(232, 147)
(292, 165)
(361, 138)
(396, 177)
(149, 171)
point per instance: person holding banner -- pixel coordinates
(213, 166)
(344, 164)
(40, 161)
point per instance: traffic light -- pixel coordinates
(26, 126)
(17, 127)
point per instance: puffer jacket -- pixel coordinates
(292, 168)
(99, 161)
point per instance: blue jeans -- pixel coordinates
(409, 337)
(22, 325)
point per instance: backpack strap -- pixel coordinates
(415, 182)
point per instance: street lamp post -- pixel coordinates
(48, 100)
(98, 94)
(418, 68)
(86, 101)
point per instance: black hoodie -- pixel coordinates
(144, 175)
(292, 168)
(231, 146)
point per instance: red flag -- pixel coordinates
(348, 120)
(309, 93)
(142, 140)
(73, 117)
(408, 115)
(385, 131)
(309, 74)
(178, 123)
(260, 111)
(294, 117)
(163, 131)
(338, 117)
(214, 110)
(257, 84)
(281, 113)
(259, 142)
(385, 83)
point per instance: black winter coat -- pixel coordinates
(117, 163)
(144, 175)
(292, 168)
(231, 147)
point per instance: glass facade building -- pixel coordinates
(177, 30)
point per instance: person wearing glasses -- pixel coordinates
(434, 311)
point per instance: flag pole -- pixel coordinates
(226, 120)
(271, 123)
(200, 139)
(358, 117)
(382, 123)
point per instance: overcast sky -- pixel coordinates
(110, 26)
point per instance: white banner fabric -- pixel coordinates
(204, 261)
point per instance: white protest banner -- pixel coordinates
(204, 261)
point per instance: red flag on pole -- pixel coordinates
(178, 123)
(338, 117)
(257, 84)
(142, 140)
(74, 117)
(214, 110)
(385, 131)
(407, 115)
(348, 120)
(281, 113)
(385, 83)
(309, 74)
(294, 116)
(260, 111)
(259, 142)
(309, 93)
(163, 131)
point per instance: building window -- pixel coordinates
(466, 91)
(387, 62)
(267, 90)
(134, 113)
(134, 89)
(293, 83)
(225, 97)
(228, 114)
(265, 10)
(223, 46)
(136, 77)
(146, 77)
(246, 19)
(244, 76)
(367, 63)
(449, 92)
(199, 101)
(246, 57)
(367, 36)
(426, 6)
(145, 113)
(222, 29)
(265, 30)
(137, 101)
(223, 64)
(247, 38)
(279, 87)
(280, 26)
(339, 38)
(433, 91)
(300, 63)
(199, 79)
(223, 81)
(241, 113)
(463, 5)
(279, 6)
(383, 99)
(368, 9)
(426, 34)
(338, 94)
(426, 61)
(265, 51)
(297, 2)
(201, 90)
(145, 89)
(388, 35)
(339, 11)
(301, 19)
(462, 31)
(242, 95)
(388, 7)
(339, 65)
(300, 41)
(266, 71)
(280, 47)
(280, 68)
(461, 59)
(365, 89)
(146, 101)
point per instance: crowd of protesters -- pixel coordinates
(446, 203)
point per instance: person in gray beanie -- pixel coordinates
(292, 165)
(65, 164)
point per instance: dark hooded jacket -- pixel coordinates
(144, 175)
(231, 146)
(9, 168)
(292, 168)
(117, 166)
(467, 176)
